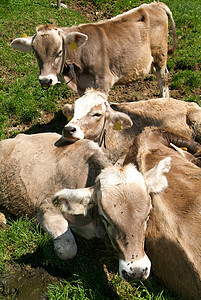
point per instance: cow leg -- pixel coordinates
(52, 221)
(162, 77)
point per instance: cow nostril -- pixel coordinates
(145, 270)
(45, 82)
(69, 130)
(125, 275)
(72, 129)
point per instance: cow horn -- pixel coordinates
(177, 149)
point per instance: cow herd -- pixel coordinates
(129, 171)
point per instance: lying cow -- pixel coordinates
(173, 240)
(33, 168)
(93, 118)
(119, 50)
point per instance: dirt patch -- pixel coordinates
(27, 283)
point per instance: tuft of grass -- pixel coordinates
(20, 237)
(186, 79)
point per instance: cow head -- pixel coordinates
(89, 114)
(50, 44)
(121, 195)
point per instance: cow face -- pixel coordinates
(121, 195)
(50, 45)
(90, 114)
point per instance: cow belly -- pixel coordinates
(136, 71)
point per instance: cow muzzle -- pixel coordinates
(48, 81)
(72, 132)
(135, 270)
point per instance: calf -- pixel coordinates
(119, 50)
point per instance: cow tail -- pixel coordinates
(172, 24)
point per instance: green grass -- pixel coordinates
(22, 102)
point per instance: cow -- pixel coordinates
(173, 240)
(115, 126)
(34, 167)
(99, 55)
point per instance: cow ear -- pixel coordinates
(74, 201)
(68, 111)
(155, 179)
(120, 120)
(76, 39)
(23, 44)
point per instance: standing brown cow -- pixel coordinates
(119, 50)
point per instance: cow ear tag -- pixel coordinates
(73, 45)
(184, 148)
(69, 118)
(118, 126)
(24, 35)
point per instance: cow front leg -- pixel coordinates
(53, 222)
(162, 77)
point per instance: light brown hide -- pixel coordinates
(177, 116)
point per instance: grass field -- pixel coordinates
(93, 274)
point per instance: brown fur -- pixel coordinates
(180, 117)
(29, 160)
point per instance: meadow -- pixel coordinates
(25, 107)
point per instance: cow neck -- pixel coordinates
(68, 62)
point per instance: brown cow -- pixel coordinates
(119, 50)
(93, 118)
(34, 167)
(173, 239)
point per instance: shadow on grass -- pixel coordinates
(87, 267)
(55, 125)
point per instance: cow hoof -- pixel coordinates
(65, 246)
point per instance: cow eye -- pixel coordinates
(97, 115)
(147, 217)
(59, 53)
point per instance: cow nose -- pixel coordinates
(137, 274)
(68, 131)
(45, 82)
